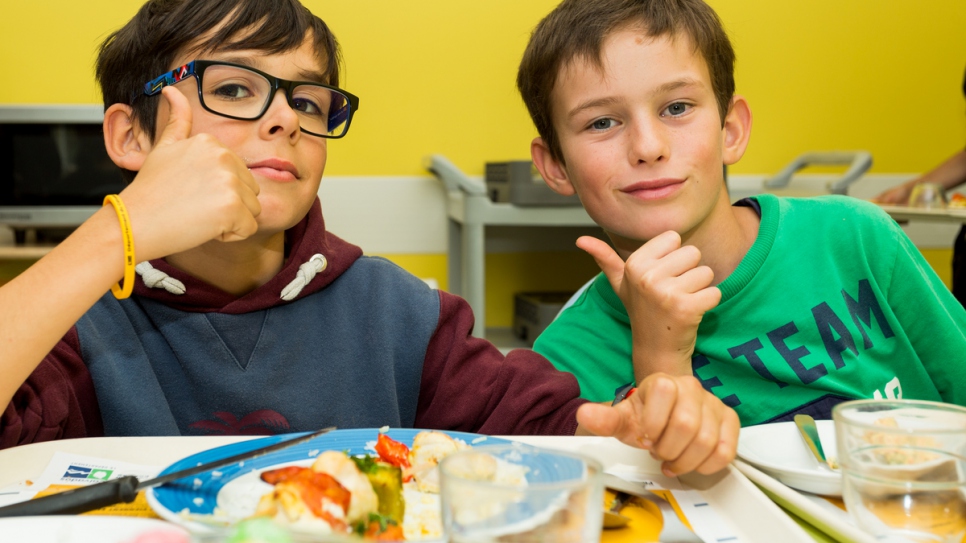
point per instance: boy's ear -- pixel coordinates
(736, 130)
(552, 171)
(126, 143)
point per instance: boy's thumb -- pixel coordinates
(178, 126)
(607, 259)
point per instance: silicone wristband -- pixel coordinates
(121, 292)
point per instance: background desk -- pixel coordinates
(905, 213)
(469, 211)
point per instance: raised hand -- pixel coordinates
(666, 292)
(189, 190)
(898, 195)
(682, 424)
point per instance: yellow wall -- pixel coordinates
(437, 76)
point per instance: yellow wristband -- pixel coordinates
(119, 292)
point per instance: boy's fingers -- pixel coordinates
(713, 448)
(661, 245)
(600, 420)
(250, 198)
(244, 228)
(655, 398)
(695, 445)
(727, 445)
(607, 259)
(178, 126)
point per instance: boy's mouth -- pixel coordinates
(653, 189)
(275, 169)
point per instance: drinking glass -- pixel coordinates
(517, 493)
(904, 467)
(928, 196)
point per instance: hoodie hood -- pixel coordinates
(304, 242)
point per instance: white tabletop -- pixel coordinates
(752, 514)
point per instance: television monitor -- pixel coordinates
(54, 170)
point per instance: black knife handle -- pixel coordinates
(77, 500)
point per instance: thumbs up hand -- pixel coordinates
(666, 291)
(189, 190)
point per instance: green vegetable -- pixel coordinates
(386, 480)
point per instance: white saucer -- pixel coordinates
(779, 450)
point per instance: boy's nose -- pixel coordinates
(648, 141)
(280, 115)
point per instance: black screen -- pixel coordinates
(55, 165)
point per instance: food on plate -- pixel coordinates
(895, 450)
(428, 449)
(957, 200)
(363, 499)
(392, 495)
(832, 462)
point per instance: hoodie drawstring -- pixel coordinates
(306, 273)
(155, 278)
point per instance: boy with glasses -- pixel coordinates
(220, 113)
(777, 305)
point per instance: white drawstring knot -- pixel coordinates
(306, 273)
(155, 278)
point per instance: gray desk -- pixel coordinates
(470, 211)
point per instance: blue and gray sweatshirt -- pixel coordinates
(334, 339)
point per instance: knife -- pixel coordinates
(125, 489)
(806, 426)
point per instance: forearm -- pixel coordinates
(40, 305)
(949, 174)
(649, 359)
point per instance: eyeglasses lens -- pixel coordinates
(243, 94)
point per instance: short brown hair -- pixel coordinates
(146, 46)
(578, 28)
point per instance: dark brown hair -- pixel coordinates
(577, 29)
(161, 30)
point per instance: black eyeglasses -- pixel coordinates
(244, 93)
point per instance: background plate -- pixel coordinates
(191, 502)
(779, 450)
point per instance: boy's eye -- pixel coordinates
(304, 105)
(602, 124)
(232, 91)
(311, 101)
(676, 109)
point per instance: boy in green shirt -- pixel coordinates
(219, 112)
(777, 306)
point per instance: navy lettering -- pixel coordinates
(700, 361)
(748, 350)
(827, 321)
(863, 309)
(793, 356)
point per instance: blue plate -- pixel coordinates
(185, 500)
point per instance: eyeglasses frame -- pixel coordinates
(196, 69)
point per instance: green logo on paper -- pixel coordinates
(100, 474)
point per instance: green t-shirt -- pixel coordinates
(831, 302)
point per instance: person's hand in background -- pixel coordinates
(949, 175)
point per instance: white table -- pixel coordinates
(752, 515)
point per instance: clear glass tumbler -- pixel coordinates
(517, 493)
(904, 467)
(927, 196)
